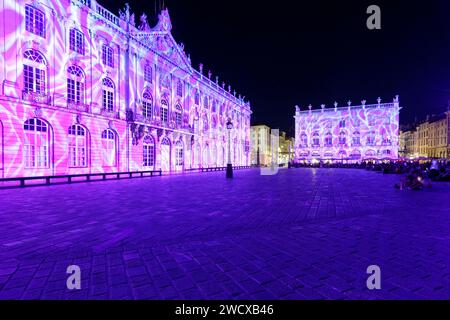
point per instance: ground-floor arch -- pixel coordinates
(165, 154)
(179, 156)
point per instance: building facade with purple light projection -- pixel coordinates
(352, 133)
(86, 91)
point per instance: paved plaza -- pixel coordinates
(302, 234)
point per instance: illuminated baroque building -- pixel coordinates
(86, 91)
(352, 133)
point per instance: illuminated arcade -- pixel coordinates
(86, 91)
(351, 133)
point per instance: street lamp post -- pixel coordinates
(229, 164)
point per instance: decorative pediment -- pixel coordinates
(160, 40)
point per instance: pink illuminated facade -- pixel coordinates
(86, 91)
(352, 133)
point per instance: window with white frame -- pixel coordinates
(76, 41)
(147, 105)
(77, 146)
(178, 115)
(108, 56)
(108, 94)
(75, 85)
(109, 148)
(34, 72)
(148, 152)
(148, 73)
(179, 154)
(34, 21)
(36, 143)
(164, 111)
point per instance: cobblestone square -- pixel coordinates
(302, 234)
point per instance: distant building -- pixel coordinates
(261, 145)
(352, 133)
(428, 139)
(286, 149)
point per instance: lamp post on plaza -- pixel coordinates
(229, 164)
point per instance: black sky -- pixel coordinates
(285, 53)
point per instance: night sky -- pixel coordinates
(285, 53)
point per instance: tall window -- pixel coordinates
(108, 94)
(316, 139)
(34, 72)
(109, 148)
(178, 116)
(147, 105)
(356, 138)
(371, 138)
(148, 152)
(329, 140)
(76, 41)
(75, 85)
(205, 102)
(342, 139)
(214, 106)
(34, 21)
(77, 147)
(197, 98)
(180, 88)
(164, 111)
(342, 124)
(304, 140)
(36, 143)
(179, 156)
(148, 73)
(108, 56)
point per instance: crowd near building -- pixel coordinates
(350, 133)
(86, 91)
(427, 139)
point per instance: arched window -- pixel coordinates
(76, 41)
(329, 140)
(148, 73)
(342, 138)
(149, 152)
(342, 124)
(316, 139)
(109, 148)
(371, 138)
(178, 115)
(34, 21)
(108, 56)
(36, 143)
(164, 111)
(147, 105)
(165, 155)
(34, 74)
(75, 85)
(356, 138)
(205, 123)
(108, 94)
(179, 88)
(304, 140)
(179, 154)
(77, 146)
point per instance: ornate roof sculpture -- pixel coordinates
(161, 40)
